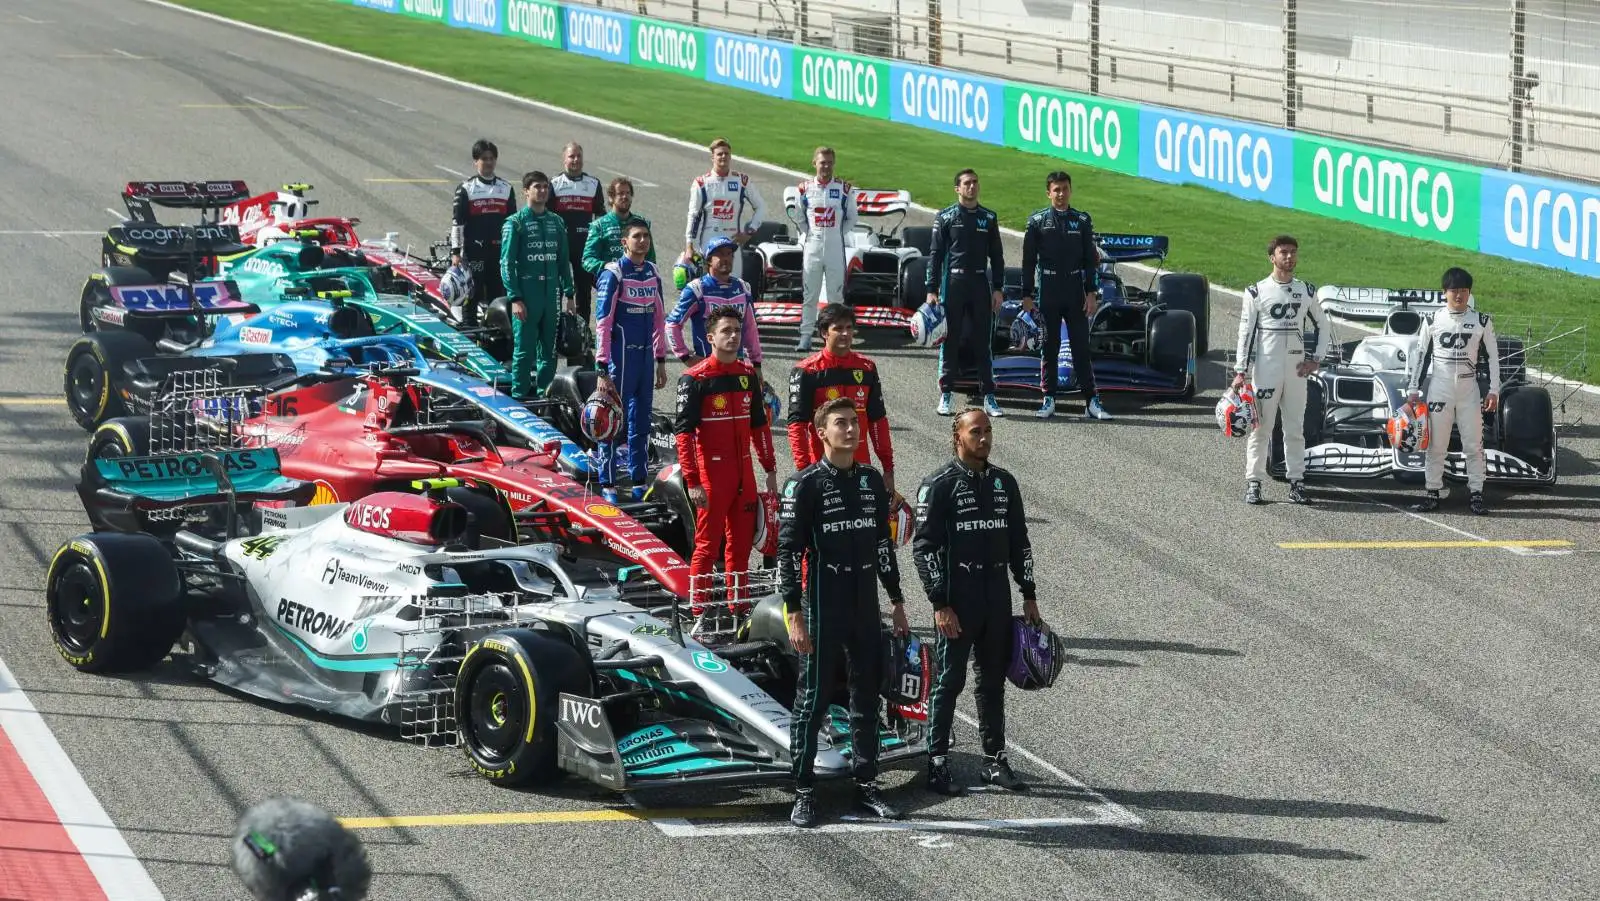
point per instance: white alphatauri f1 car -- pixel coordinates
(885, 265)
(394, 609)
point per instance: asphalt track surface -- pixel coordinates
(1239, 720)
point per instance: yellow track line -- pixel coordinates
(1415, 545)
(540, 818)
(33, 401)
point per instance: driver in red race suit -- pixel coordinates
(578, 198)
(833, 372)
(720, 418)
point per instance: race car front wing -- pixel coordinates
(1349, 461)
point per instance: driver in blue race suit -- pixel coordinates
(718, 288)
(630, 323)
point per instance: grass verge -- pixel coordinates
(1213, 233)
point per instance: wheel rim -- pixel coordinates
(497, 714)
(78, 612)
(108, 449)
(88, 390)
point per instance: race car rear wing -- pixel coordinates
(129, 493)
(1117, 248)
(1375, 304)
(150, 235)
(138, 196)
(202, 298)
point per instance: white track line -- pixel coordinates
(113, 863)
(1518, 551)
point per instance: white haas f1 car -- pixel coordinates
(1349, 405)
(393, 609)
(885, 267)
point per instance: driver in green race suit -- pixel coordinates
(604, 245)
(537, 273)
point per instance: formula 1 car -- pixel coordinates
(355, 433)
(393, 609)
(1144, 342)
(885, 269)
(1348, 405)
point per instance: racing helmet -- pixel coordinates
(1026, 336)
(601, 419)
(907, 668)
(773, 402)
(1408, 427)
(902, 520)
(766, 538)
(1236, 411)
(573, 339)
(1037, 655)
(683, 273)
(455, 286)
(927, 325)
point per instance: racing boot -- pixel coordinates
(1093, 410)
(940, 779)
(1297, 492)
(1252, 492)
(1476, 505)
(946, 404)
(870, 798)
(1047, 409)
(1428, 504)
(804, 814)
(997, 772)
(992, 407)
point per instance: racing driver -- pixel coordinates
(630, 322)
(838, 372)
(827, 214)
(1451, 341)
(970, 525)
(1272, 331)
(967, 265)
(720, 417)
(833, 540)
(537, 274)
(719, 287)
(717, 202)
(577, 198)
(604, 244)
(481, 206)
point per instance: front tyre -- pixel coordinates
(508, 695)
(114, 602)
(95, 364)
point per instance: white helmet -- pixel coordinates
(928, 325)
(456, 285)
(1236, 411)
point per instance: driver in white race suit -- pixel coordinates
(1450, 342)
(718, 202)
(827, 214)
(1272, 331)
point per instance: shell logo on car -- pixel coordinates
(603, 510)
(324, 494)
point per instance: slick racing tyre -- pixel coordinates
(496, 337)
(920, 237)
(1527, 427)
(95, 366)
(125, 436)
(508, 698)
(114, 601)
(1188, 291)
(1172, 341)
(913, 283)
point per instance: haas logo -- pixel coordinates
(825, 217)
(722, 209)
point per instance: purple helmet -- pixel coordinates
(1037, 655)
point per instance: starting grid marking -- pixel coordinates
(1419, 545)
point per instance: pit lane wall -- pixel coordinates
(1520, 217)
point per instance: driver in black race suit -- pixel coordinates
(833, 541)
(970, 526)
(578, 198)
(482, 204)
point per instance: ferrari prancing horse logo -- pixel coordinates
(860, 376)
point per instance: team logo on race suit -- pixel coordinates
(825, 217)
(833, 394)
(720, 402)
(722, 209)
(860, 376)
(744, 381)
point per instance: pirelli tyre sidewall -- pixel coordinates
(114, 602)
(125, 436)
(508, 696)
(93, 369)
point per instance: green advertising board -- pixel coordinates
(534, 21)
(433, 10)
(672, 48)
(1093, 131)
(1397, 192)
(854, 84)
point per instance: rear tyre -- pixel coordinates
(914, 283)
(114, 601)
(96, 363)
(1527, 427)
(920, 237)
(496, 338)
(508, 697)
(1191, 292)
(125, 436)
(753, 269)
